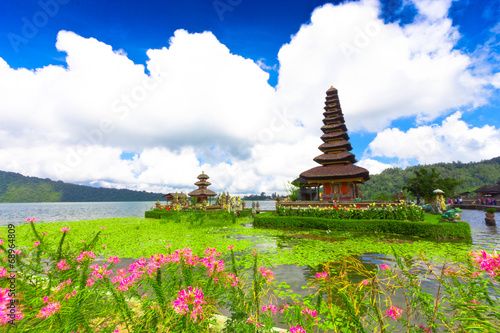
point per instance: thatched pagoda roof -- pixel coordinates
(335, 172)
(202, 192)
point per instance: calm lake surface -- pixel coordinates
(17, 213)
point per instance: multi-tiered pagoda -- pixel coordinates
(202, 193)
(337, 174)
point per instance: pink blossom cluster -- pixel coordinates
(253, 320)
(297, 329)
(49, 310)
(65, 229)
(28, 220)
(114, 260)
(100, 272)
(63, 284)
(6, 304)
(322, 275)
(271, 308)
(85, 254)
(233, 279)
(35, 244)
(266, 273)
(3, 272)
(125, 282)
(310, 312)
(190, 301)
(394, 312)
(487, 262)
(68, 295)
(62, 265)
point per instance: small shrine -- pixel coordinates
(337, 173)
(202, 193)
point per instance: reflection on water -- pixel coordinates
(483, 237)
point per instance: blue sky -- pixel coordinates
(147, 95)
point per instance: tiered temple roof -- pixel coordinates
(337, 163)
(202, 193)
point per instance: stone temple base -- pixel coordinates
(490, 221)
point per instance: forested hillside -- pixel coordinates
(472, 175)
(15, 187)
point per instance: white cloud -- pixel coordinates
(382, 71)
(495, 81)
(375, 167)
(201, 108)
(453, 140)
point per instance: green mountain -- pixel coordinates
(15, 187)
(472, 175)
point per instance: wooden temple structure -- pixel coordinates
(202, 193)
(337, 173)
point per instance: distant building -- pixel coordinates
(489, 190)
(337, 174)
(202, 193)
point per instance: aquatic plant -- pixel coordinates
(63, 287)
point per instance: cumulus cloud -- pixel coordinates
(196, 107)
(453, 140)
(382, 71)
(375, 166)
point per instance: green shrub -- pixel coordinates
(353, 212)
(460, 230)
(490, 210)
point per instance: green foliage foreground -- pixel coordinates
(62, 287)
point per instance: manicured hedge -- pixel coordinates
(176, 214)
(441, 230)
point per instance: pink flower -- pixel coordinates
(365, 282)
(322, 276)
(233, 279)
(90, 282)
(272, 308)
(104, 246)
(63, 284)
(297, 329)
(65, 229)
(8, 313)
(266, 273)
(475, 302)
(190, 301)
(253, 320)
(230, 247)
(49, 310)
(18, 252)
(67, 296)
(100, 271)
(103, 228)
(85, 254)
(36, 244)
(384, 267)
(62, 265)
(3, 272)
(1, 241)
(31, 220)
(114, 260)
(394, 312)
(311, 313)
(43, 233)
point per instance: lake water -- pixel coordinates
(17, 213)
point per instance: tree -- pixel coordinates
(425, 182)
